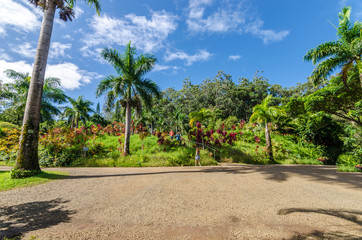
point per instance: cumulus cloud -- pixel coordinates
(19, 66)
(201, 55)
(159, 68)
(18, 17)
(24, 50)
(224, 19)
(268, 36)
(4, 55)
(58, 49)
(234, 57)
(146, 34)
(229, 16)
(70, 75)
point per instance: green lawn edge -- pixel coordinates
(6, 183)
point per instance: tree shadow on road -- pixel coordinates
(278, 173)
(318, 235)
(323, 174)
(19, 219)
(349, 215)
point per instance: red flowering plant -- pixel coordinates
(322, 159)
(358, 167)
(60, 146)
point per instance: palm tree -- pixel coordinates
(27, 158)
(129, 87)
(345, 53)
(79, 112)
(200, 116)
(16, 95)
(265, 114)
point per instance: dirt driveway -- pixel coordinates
(224, 202)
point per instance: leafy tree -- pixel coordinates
(335, 98)
(80, 111)
(200, 116)
(16, 95)
(263, 113)
(129, 86)
(179, 120)
(345, 53)
(27, 158)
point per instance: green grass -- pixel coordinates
(7, 163)
(152, 155)
(285, 151)
(7, 183)
(343, 168)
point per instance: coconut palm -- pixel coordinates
(200, 116)
(27, 158)
(129, 86)
(263, 113)
(345, 53)
(16, 94)
(80, 111)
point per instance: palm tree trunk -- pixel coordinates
(27, 158)
(269, 148)
(128, 128)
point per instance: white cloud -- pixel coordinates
(234, 57)
(25, 50)
(159, 68)
(4, 55)
(227, 18)
(147, 35)
(68, 37)
(201, 55)
(78, 12)
(18, 17)
(58, 49)
(70, 75)
(20, 66)
(268, 36)
(230, 15)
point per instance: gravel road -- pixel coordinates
(222, 202)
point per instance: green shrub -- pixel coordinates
(347, 160)
(20, 173)
(9, 126)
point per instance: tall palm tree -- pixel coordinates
(263, 113)
(345, 53)
(129, 86)
(200, 116)
(16, 94)
(80, 111)
(27, 158)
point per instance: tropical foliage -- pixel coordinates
(129, 88)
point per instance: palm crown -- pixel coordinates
(79, 112)
(16, 93)
(66, 12)
(129, 84)
(345, 53)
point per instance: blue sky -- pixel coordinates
(190, 38)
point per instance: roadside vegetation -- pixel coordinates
(251, 121)
(7, 183)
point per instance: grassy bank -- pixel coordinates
(144, 153)
(7, 183)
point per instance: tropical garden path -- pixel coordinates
(223, 202)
